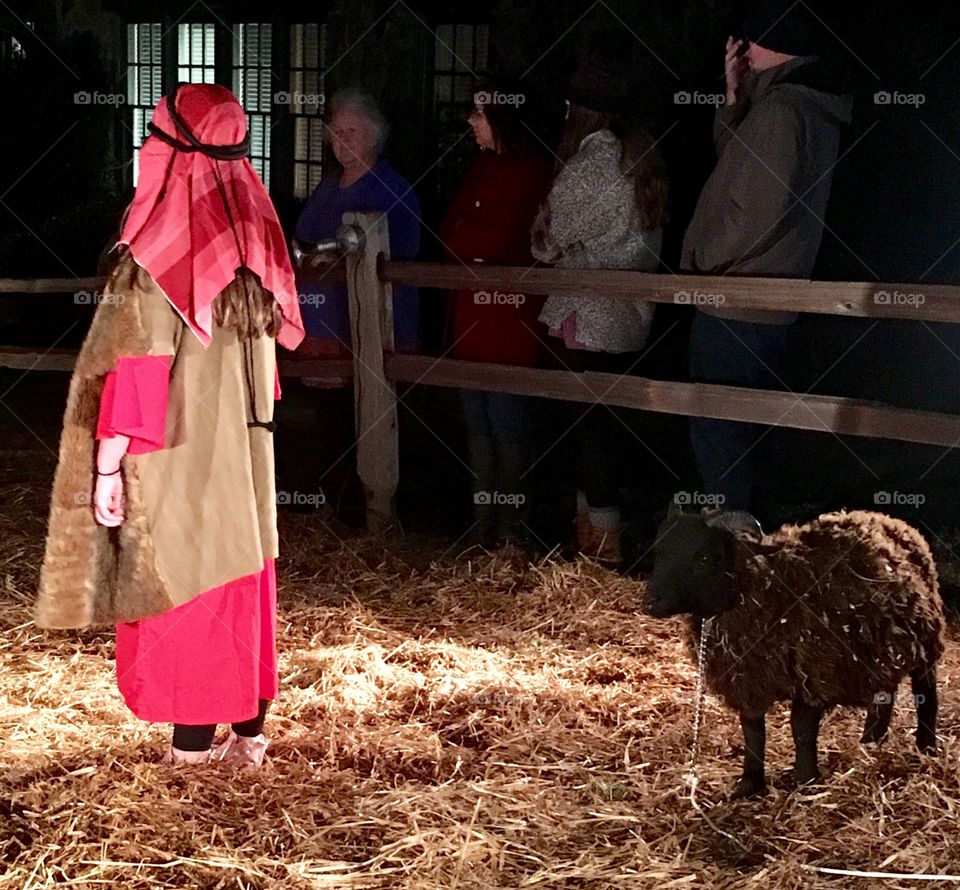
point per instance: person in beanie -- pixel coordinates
(163, 512)
(606, 210)
(489, 222)
(760, 214)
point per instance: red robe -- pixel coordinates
(211, 659)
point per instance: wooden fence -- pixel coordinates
(376, 368)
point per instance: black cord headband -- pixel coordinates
(217, 152)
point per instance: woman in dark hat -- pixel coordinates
(606, 210)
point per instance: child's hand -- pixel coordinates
(108, 500)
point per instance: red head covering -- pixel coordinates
(200, 211)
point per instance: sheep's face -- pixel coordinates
(693, 570)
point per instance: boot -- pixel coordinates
(483, 464)
(582, 521)
(512, 517)
(598, 536)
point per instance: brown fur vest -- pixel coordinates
(92, 574)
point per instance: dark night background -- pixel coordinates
(67, 178)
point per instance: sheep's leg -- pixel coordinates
(805, 724)
(924, 685)
(878, 717)
(753, 781)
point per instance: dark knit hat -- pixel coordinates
(784, 26)
(600, 81)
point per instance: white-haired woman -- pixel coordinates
(363, 182)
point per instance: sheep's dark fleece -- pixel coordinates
(834, 612)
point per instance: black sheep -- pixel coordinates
(834, 612)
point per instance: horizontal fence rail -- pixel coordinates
(842, 416)
(49, 285)
(933, 302)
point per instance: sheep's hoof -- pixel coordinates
(875, 728)
(927, 742)
(749, 786)
(806, 778)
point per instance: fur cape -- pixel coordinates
(91, 574)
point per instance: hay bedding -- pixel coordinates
(468, 723)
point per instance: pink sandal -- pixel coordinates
(242, 750)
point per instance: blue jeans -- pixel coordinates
(500, 416)
(734, 353)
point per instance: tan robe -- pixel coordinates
(201, 511)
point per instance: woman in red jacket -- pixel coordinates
(489, 222)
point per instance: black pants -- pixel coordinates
(594, 429)
(733, 353)
(191, 737)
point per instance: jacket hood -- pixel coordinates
(817, 82)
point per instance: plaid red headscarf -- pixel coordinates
(200, 211)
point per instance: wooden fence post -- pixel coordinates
(374, 397)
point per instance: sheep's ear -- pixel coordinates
(674, 509)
